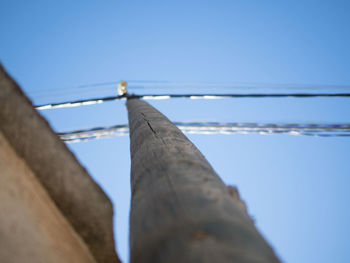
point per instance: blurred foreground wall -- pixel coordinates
(50, 208)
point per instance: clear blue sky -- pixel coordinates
(295, 187)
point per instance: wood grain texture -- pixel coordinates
(81, 201)
(181, 211)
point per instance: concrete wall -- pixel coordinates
(68, 186)
(32, 229)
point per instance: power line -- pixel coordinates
(110, 86)
(65, 94)
(77, 103)
(239, 95)
(79, 87)
(308, 129)
(199, 84)
(233, 85)
(190, 96)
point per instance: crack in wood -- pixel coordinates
(151, 128)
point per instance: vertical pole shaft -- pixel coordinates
(181, 211)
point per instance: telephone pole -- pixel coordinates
(181, 211)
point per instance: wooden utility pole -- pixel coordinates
(181, 211)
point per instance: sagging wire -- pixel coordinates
(308, 129)
(77, 103)
(143, 84)
(190, 96)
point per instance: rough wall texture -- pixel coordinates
(181, 210)
(77, 196)
(32, 229)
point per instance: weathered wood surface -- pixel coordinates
(32, 229)
(81, 201)
(181, 210)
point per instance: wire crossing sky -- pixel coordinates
(322, 130)
(190, 96)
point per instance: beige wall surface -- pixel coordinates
(77, 196)
(32, 229)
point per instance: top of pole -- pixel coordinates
(122, 88)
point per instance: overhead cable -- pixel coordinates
(190, 96)
(110, 86)
(308, 129)
(77, 103)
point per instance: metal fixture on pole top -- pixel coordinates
(122, 88)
